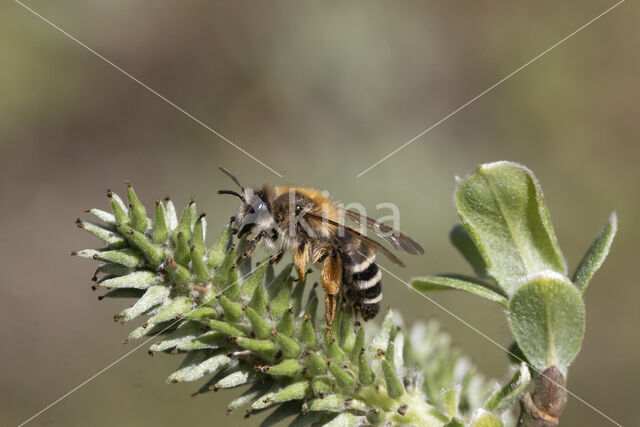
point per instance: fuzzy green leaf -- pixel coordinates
(451, 400)
(547, 319)
(485, 419)
(596, 254)
(464, 244)
(446, 282)
(502, 208)
(504, 398)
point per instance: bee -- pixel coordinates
(309, 224)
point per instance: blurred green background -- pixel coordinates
(319, 91)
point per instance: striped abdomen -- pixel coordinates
(362, 279)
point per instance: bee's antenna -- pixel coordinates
(230, 175)
(233, 193)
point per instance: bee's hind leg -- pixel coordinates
(331, 280)
(300, 258)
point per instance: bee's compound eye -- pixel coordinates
(298, 209)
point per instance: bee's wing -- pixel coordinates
(396, 238)
(375, 245)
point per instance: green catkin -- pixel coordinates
(200, 270)
(315, 363)
(365, 373)
(259, 301)
(264, 348)
(275, 286)
(347, 331)
(296, 296)
(232, 310)
(357, 346)
(178, 273)
(375, 416)
(113, 239)
(333, 350)
(394, 387)
(337, 321)
(290, 348)
(197, 239)
(282, 300)
(185, 223)
(286, 326)
(160, 230)
(182, 253)
(321, 385)
(201, 313)
(254, 280)
(137, 212)
(127, 257)
(308, 334)
(288, 367)
(117, 209)
(226, 328)
(261, 327)
(218, 252)
(344, 378)
(154, 254)
(253, 333)
(312, 309)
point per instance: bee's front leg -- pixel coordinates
(277, 257)
(331, 280)
(251, 247)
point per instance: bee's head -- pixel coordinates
(254, 212)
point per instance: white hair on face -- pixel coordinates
(260, 218)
